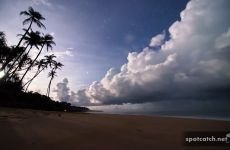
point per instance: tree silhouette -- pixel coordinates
(16, 59)
(31, 39)
(47, 41)
(3, 47)
(52, 74)
(33, 17)
(41, 65)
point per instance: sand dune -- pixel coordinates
(41, 130)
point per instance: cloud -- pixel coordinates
(62, 54)
(192, 65)
(42, 2)
(223, 41)
(157, 40)
(63, 92)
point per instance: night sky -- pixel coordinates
(135, 56)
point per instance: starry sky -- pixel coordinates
(135, 56)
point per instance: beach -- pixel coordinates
(40, 130)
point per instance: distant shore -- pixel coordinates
(34, 129)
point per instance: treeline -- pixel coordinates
(16, 63)
(35, 100)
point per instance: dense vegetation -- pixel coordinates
(16, 63)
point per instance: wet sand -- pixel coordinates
(22, 129)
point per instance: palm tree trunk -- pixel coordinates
(24, 34)
(48, 89)
(30, 81)
(31, 78)
(32, 63)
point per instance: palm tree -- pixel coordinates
(47, 41)
(50, 59)
(11, 53)
(25, 60)
(33, 17)
(31, 39)
(57, 65)
(52, 74)
(42, 65)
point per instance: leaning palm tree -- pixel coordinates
(13, 53)
(47, 41)
(31, 39)
(42, 65)
(52, 74)
(32, 17)
(50, 60)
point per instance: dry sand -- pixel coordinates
(40, 130)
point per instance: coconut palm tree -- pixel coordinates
(50, 59)
(31, 39)
(32, 17)
(11, 54)
(42, 65)
(47, 41)
(25, 60)
(52, 74)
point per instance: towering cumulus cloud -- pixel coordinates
(63, 92)
(194, 64)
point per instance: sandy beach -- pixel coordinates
(41, 130)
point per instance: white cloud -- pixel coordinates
(192, 64)
(42, 2)
(52, 33)
(157, 40)
(223, 41)
(63, 92)
(62, 54)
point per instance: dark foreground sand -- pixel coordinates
(30, 129)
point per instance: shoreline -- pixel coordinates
(169, 116)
